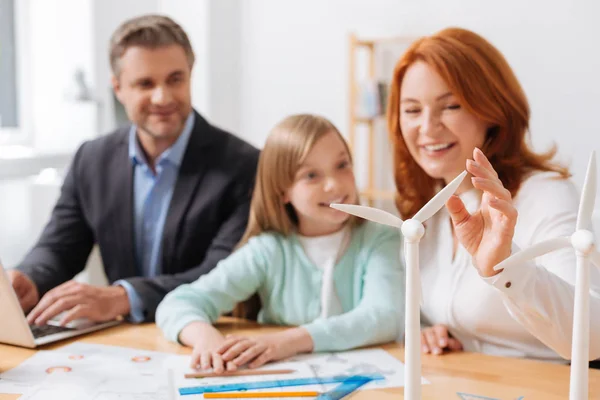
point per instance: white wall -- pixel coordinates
(58, 121)
(224, 67)
(214, 28)
(295, 58)
(108, 15)
(193, 16)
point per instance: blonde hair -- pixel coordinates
(479, 76)
(285, 150)
(151, 31)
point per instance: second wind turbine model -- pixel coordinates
(412, 230)
(583, 241)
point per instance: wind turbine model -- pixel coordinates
(583, 241)
(412, 230)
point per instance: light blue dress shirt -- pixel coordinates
(152, 194)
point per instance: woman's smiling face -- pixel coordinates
(439, 132)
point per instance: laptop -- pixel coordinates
(16, 330)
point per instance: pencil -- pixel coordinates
(258, 395)
(243, 372)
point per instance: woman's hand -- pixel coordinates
(257, 351)
(436, 339)
(205, 340)
(487, 234)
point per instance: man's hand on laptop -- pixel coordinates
(81, 300)
(26, 290)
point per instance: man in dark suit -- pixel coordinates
(165, 199)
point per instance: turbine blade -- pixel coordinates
(370, 213)
(439, 199)
(538, 249)
(588, 196)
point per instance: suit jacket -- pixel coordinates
(207, 215)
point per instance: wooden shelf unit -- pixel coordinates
(370, 192)
(375, 194)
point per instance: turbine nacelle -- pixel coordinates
(583, 241)
(412, 230)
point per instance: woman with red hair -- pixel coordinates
(454, 100)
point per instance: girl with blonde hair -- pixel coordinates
(336, 281)
(455, 100)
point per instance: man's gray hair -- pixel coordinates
(151, 31)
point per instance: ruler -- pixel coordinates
(231, 387)
(467, 396)
(345, 388)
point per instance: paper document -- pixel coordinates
(86, 366)
(100, 372)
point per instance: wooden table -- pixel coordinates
(496, 377)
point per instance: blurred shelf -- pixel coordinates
(378, 194)
(366, 120)
(362, 64)
(382, 40)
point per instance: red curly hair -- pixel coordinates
(485, 85)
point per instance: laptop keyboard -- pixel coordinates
(45, 330)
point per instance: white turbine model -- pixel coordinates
(583, 241)
(412, 230)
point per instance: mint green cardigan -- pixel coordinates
(369, 281)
